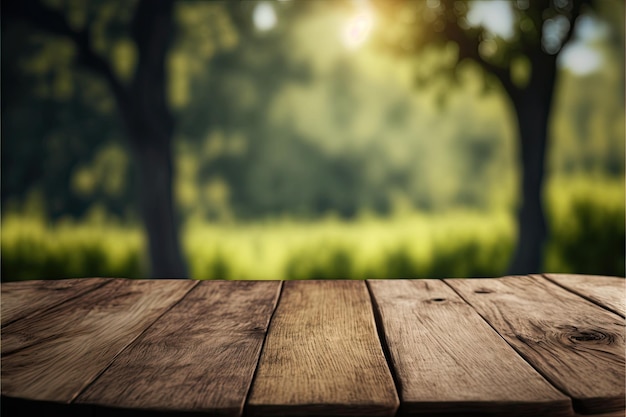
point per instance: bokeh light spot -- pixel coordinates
(264, 16)
(357, 30)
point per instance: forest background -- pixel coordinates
(305, 146)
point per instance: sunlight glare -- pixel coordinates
(495, 16)
(264, 16)
(580, 58)
(358, 29)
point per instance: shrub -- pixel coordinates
(33, 250)
(587, 230)
(586, 236)
(323, 261)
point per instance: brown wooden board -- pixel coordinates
(608, 292)
(21, 299)
(200, 356)
(322, 355)
(574, 343)
(54, 355)
(448, 361)
(620, 413)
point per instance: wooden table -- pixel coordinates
(514, 346)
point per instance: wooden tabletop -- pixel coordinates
(548, 345)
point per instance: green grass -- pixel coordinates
(33, 249)
(455, 244)
(402, 247)
(586, 219)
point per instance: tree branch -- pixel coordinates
(53, 21)
(576, 10)
(468, 49)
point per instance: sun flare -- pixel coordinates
(358, 30)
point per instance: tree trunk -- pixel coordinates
(532, 106)
(156, 207)
(143, 107)
(151, 127)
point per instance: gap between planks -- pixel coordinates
(522, 339)
(382, 339)
(590, 298)
(108, 365)
(579, 407)
(45, 308)
(258, 359)
(419, 370)
(78, 338)
(546, 377)
(322, 387)
(378, 325)
(198, 358)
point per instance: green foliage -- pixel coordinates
(586, 220)
(325, 261)
(469, 257)
(400, 263)
(290, 123)
(216, 266)
(587, 228)
(33, 250)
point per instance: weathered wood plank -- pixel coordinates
(21, 299)
(322, 355)
(200, 356)
(620, 413)
(575, 344)
(448, 361)
(54, 355)
(609, 292)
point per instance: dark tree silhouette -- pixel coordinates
(142, 107)
(541, 29)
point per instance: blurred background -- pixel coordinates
(312, 139)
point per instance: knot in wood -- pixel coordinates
(590, 335)
(585, 336)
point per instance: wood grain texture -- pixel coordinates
(621, 413)
(608, 292)
(200, 356)
(21, 299)
(322, 355)
(54, 355)
(574, 343)
(448, 361)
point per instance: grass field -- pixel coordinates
(586, 220)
